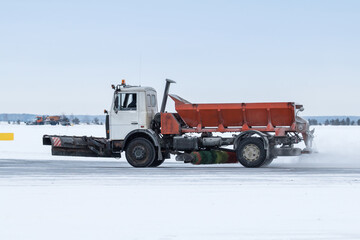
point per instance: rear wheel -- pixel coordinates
(251, 152)
(140, 153)
(267, 162)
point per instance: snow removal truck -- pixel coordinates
(256, 132)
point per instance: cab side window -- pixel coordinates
(148, 100)
(125, 101)
(153, 100)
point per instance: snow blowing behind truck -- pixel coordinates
(260, 131)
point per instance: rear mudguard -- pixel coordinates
(250, 133)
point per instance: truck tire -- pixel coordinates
(157, 163)
(267, 162)
(251, 152)
(140, 153)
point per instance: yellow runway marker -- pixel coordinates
(6, 136)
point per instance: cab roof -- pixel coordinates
(129, 88)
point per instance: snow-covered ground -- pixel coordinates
(49, 197)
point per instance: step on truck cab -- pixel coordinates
(252, 134)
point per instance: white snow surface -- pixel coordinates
(313, 196)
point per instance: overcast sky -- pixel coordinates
(62, 56)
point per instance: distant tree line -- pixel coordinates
(335, 122)
(66, 120)
(14, 118)
(76, 121)
(14, 122)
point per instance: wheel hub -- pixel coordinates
(139, 152)
(251, 152)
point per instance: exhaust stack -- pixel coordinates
(166, 93)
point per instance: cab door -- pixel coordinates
(125, 114)
(152, 107)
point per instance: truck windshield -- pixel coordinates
(125, 101)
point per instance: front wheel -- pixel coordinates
(251, 152)
(140, 153)
(157, 163)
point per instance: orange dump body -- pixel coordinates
(53, 118)
(276, 117)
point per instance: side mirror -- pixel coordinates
(113, 86)
(105, 111)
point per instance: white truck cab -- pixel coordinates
(133, 107)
